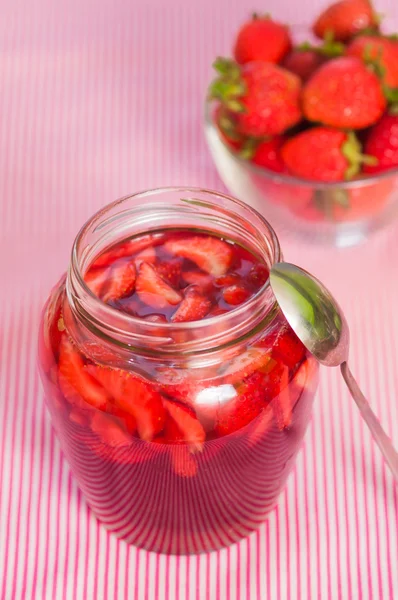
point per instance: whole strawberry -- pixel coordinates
(226, 125)
(264, 96)
(266, 153)
(303, 62)
(263, 39)
(345, 19)
(344, 93)
(383, 144)
(324, 154)
(382, 51)
(305, 59)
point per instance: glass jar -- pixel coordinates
(245, 366)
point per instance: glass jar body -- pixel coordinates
(251, 393)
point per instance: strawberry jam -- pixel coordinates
(181, 443)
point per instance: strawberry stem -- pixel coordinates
(352, 151)
(330, 48)
(229, 87)
(393, 110)
(326, 200)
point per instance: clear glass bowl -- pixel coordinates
(342, 214)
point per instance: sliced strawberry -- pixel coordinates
(201, 280)
(210, 253)
(78, 416)
(121, 282)
(75, 382)
(305, 376)
(244, 408)
(194, 306)
(110, 432)
(148, 255)
(216, 312)
(179, 386)
(155, 318)
(282, 403)
(236, 294)
(288, 347)
(126, 249)
(134, 396)
(128, 420)
(182, 460)
(244, 365)
(262, 426)
(96, 280)
(258, 275)
(170, 271)
(183, 426)
(153, 290)
(228, 279)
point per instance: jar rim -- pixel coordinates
(87, 306)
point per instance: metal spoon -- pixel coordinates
(319, 323)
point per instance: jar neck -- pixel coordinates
(98, 324)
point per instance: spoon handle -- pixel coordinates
(379, 435)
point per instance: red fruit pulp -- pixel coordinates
(159, 456)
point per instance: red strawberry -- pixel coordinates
(324, 154)
(182, 425)
(282, 403)
(345, 18)
(381, 51)
(96, 279)
(200, 280)
(303, 63)
(134, 396)
(244, 365)
(228, 279)
(267, 154)
(170, 271)
(226, 124)
(110, 432)
(75, 382)
(148, 255)
(305, 374)
(121, 281)
(155, 318)
(128, 420)
(236, 294)
(258, 275)
(264, 96)
(179, 386)
(382, 143)
(288, 347)
(209, 253)
(252, 398)
(194, 306)
(344, 93)
(126, 249)
(183, 462)
(153, 290)
(263, 39)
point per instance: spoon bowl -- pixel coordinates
(318, 321)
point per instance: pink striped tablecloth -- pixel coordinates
(99, 98)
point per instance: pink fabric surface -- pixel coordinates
(99, 99)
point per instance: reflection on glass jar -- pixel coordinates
(179, 394)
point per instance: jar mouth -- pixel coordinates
(152, 210)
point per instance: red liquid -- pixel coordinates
(184, 462)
